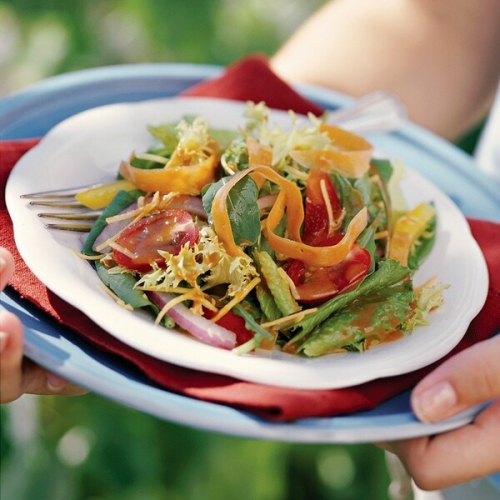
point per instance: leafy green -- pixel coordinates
(367, 240)
(251, 324)
(352, 199)
(429, 297)
(148, 164)
(277, 285)
(384, 168)
(398, 201)
(166, 133)
(223, 137)
(423, 246)
(389, 273)
(267, 303)
(235, 157)
(374, 315)
(242, 208)
(122, 285)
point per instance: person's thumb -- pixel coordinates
(465, 380)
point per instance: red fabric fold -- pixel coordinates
(249, 79)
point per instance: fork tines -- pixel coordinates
(80, 220)
(65, 193)
(76, 228)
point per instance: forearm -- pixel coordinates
(442, 58)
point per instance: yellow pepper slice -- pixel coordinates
(178, 178)
(408, 229)
(350, 156)
(101, 196)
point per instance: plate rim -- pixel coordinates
(249, 374)
(53, 351)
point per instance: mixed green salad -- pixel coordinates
(295, 239)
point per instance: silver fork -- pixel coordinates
(64, 199)
(377, 112)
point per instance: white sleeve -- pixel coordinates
(487, 152)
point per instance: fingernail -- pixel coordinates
(435, 403)
(3, 263)
(3, 341)
(55, 383)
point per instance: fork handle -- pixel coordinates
(377, 112)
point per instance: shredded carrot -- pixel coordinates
(183, 179)
(319, 256)
(240, 295)
(259, 173)
(289, 199)
(350, 155)
(258, 154)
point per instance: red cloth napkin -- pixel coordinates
(251, 79)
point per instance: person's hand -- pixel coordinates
(19, 375)
(469, 452)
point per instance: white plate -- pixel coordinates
(87, 148)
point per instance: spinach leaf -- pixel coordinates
(244, 214)
(384, 168)
(123, 286)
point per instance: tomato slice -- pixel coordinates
(320, 220)
(233, 323)
(323, 212)
(317, 284)
(167, 231)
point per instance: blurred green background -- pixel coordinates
(89, 448)
(39, 38)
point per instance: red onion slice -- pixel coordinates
(111, 229)
(198, 326)
(266, 201)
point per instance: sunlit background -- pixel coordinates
(89, 448)
(41, 38)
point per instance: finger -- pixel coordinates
(37, 380)
(11, 356)
(455, 457)
(465, 380)
(6, 267)
(18, 375)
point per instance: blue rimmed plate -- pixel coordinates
(34, 111)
